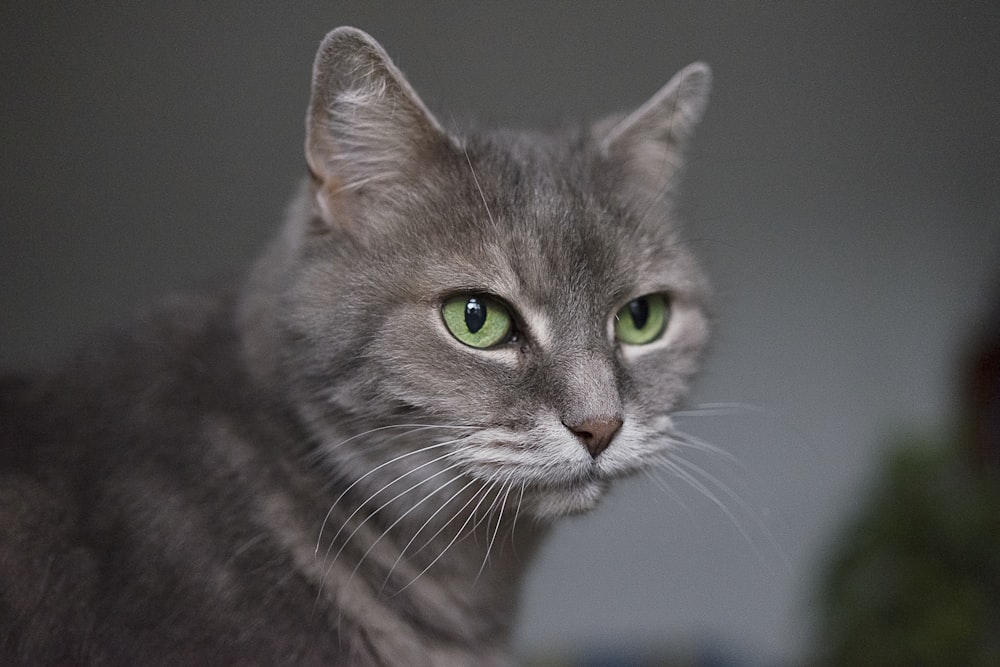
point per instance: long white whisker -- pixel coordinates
(662, 484)
(427, 522)
(381, 442)
(388, 502)
(454, 539)
(489, 547)
(732, 495)
(481, 491)
(687, 440)
(391, 461)
(379, 509)
(672, 465)
(517, 513)
(495, 484)
(719, 409)
(482, 195)
(398, 520)
(414, 427)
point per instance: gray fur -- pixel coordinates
(308, 468)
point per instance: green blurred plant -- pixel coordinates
(915, 577)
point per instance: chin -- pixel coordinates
(553, 502)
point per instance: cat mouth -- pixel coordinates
(544, 495)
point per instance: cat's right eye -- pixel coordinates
(478, 321)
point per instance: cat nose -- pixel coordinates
(596, 434)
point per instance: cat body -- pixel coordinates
(350, 457)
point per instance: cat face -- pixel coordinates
(512, 310)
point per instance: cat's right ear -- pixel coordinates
(367, 132)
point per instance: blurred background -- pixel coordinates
(842, 192)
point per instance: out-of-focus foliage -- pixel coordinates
(914, 579)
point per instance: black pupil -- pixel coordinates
(475, 315)
(639, 309)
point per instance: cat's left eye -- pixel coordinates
(477, 320)
(642, 320)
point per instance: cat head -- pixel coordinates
(515, 308)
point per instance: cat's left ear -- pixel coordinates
(652, 139)
(368, 136)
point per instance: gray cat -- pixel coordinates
(349, 459)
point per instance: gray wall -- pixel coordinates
(843, 192)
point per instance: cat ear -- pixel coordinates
(367, 132)
(652, 139)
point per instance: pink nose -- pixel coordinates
(596, 434)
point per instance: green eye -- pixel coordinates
(478, 321)
(642, 320)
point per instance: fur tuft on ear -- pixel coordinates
(366, 129)
(652, 139)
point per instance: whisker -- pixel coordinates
(391, 461)
(719, 409)
(744, 506)
(517, 513)
(672, 465)
(662, 484)
(687, 440)
(690, 465)
(690, 469)
(482, 490)
(359, 452)
(414, 427)
(482, 195)
(382, 507)
(388, 502)
(503, 503)
(454, 539)
(495, 484)
(317, 453)
(402, 552)
(397, 521)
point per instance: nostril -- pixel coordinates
(596, 434)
